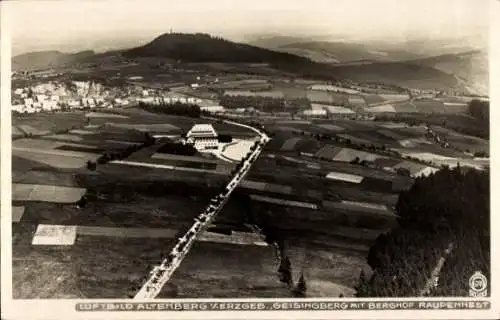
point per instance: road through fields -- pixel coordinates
(160, 274)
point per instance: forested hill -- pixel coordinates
(200, 47)
(449, 209)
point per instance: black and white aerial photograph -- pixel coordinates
(189, 149)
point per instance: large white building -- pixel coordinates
(203, 136)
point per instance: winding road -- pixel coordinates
(160, 274)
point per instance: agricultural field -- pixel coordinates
(327, 211)
(44, 123)
(326, 97)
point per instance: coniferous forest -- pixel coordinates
(448, 208)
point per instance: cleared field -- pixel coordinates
(354, 207)
(293, 92)
(289, 144)
(284, 202)
(31, 130)
(181, 164)
(54, 160)
(54, 152)
(392, 134)
(393, 125)
(48, 193)
(81, 148)
(17, 213)
(407, 107)
(382, 108)
(394, 97)
(368, 205)
(455, 107)
(412, 143)
(344, 177)
(16, 132)
(373, 98)
(126, 232)
(65, 137)
(347, 155)
(45, 177)
(54, 235)
(167, 156)
(329, 87)
(293, 122)
(355, 139)
(337, 109)
(105, 115)
(83, 132)
(247, 93)
(236, 237)
(328, 151)
(357, 100)
(330, 127)
(247, 272)
(326, 97)
(429, 106)
(159, 127)
(44, 123)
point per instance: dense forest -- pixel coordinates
(448, 208)
(480, 110)
(177, 108)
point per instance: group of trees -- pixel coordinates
(225, 138)
(264, 104)
(111, 155)
(177, 148)
(176, 108)
(448, 207)
(480, 110)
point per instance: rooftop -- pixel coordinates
(202, 129)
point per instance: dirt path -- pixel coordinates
(430, 283)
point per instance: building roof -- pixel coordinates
(202, 130)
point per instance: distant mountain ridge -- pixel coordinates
(46, 59)
(370, 65)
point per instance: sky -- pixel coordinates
(74, 25)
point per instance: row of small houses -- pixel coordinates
(50, 104)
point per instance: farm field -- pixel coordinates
(328, 213)
(44, 123)
(48, 193)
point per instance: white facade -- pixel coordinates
(203, 136)
(18, 107)
(315, 112)
(213, 108)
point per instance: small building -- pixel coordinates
(21, 108)
(315, 112)
(203, 137)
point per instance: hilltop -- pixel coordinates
(470, 67)
(200, 47)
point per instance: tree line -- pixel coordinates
(176, 108)
(264, 104)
